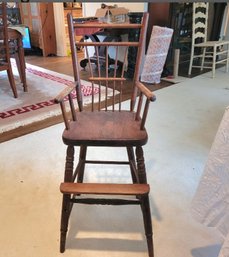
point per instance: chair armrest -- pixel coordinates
(150, 95)
(63, 94)
(60, 99)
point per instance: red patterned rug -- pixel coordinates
(35, 106)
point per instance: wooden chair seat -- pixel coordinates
(105, 128)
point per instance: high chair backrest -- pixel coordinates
(105, 72)
(107, 75)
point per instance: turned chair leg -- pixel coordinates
(214, 61)
(12, 82)
(203, 59)
(81, 164)
(66, 210)
(227, 62)
(21, 70)
(191, 62)
(132, 162)
(66, 204)
(145, 206)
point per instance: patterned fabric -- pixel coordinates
(156, 54)
(210, 204)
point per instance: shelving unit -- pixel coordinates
(181, 21)
(39, 17)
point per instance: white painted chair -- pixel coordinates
(209, 53)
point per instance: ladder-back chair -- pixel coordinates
(204, 53)
(106, 124)
(4, 48)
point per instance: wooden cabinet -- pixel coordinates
(76, 12)
(39, 17)
(159, 16)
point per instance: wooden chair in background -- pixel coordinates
(106, 124)
(4, 48)
(207, 54)
(17, 52)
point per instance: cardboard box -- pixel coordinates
(112, 15)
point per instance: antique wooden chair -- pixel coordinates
(106, 124)
(207, 54)
(4, 48)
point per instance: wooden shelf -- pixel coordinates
(72, 8)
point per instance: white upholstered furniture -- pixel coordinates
(210, 204)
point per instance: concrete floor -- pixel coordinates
(182, 124)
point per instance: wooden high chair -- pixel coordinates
(106, 124)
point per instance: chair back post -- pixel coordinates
(141, 49)
(75, 61)
(200, 22)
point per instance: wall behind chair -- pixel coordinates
(89, 9)
(60, 29)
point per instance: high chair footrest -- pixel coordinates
(104, 189)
